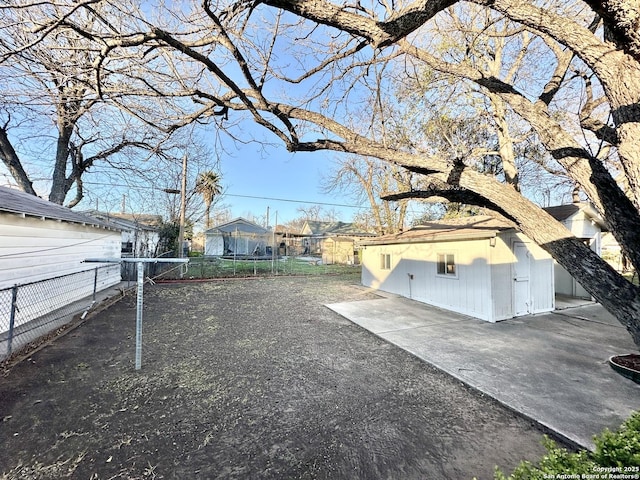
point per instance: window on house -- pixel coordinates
(446, 264)
(127, 247)
(385, 261)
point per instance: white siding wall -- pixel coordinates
(213, 244)
(33, 249)
(581, 226)
(468, 292)
(145, 242)
(483, 286)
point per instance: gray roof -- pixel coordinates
(565, 212)
(238, 225)
(562, 212)
(21, 203)
(462, 228)
(122, 223)
(322, 229)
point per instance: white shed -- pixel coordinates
(238, 237)
(478, 266)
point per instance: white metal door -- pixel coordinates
(521, 272)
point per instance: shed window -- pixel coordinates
(385, 261)
(446, 264)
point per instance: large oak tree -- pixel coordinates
(606, 41)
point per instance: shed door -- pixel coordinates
(214, 245)
(521, 271)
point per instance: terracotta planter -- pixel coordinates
(627, 365)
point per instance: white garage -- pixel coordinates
(478, 266)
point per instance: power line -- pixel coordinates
(295, 201)
(290, 200)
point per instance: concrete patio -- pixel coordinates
(552, 368)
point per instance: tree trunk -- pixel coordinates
(505, 142)
(207, 215)
(13, 164)
(58, 190)
(59, 187)
(629, 148)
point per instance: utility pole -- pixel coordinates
(183, 206)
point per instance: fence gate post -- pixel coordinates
(139, 305)
(12, 316)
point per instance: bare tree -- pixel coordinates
(366, 180)
(53, 107)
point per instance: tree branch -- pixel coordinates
(12, 162)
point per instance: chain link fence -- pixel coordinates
(32, 310)
(222, 267)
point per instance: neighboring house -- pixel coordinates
(197, 242)
(287, 240)
(583, 220)
(238, 237)
(478, 266)
(140, 233)
(334, 241)
(42, 250)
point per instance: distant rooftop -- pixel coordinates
(239, 225)
(21, 203)
(564, 212)
(335, 228)
(129, 221)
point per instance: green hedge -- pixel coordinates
(616, 456)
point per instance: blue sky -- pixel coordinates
(273, 173)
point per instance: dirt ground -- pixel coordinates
(246, 379)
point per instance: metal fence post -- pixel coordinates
(139, 304)
(12, 316)
(95, 283)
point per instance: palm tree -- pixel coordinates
(208, 185)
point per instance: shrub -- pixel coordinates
(619, 449)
